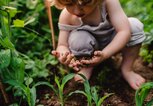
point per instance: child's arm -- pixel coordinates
(120, 22)
(62, 51)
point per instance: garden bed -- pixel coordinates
(123, 94)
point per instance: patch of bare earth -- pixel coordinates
(123, 94)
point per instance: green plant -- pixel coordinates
(11, 64)
(29, 93)
(97, 100)
(145, 15)
(90, 93)
(146, 51)
(142, 93)
(59, 91)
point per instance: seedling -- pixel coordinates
(90, 93)
(142, 93)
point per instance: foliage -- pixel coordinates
(29, 92)
(90, 93)
(142, 93)
(59, 91)
(143, 11)
(13, 64)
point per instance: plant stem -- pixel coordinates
(3, 92)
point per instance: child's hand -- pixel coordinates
(95, 60)
(68, 59)
(64, 58)
(75, 64)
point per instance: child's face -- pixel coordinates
(81, 8)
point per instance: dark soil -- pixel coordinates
(111, 83)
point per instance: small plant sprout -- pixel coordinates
(98, 101)
(61, 87)
(142, 93)
(90, 93)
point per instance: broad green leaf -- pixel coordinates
(18, 67)
(18, 23)
(6, 43)
(6, 74)
(31, 4)
(5, 57)
(17, 84)
(11, 10)
(28, 81)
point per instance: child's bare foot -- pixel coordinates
(86, 71)
(134, 79)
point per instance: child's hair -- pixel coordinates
(60, 4)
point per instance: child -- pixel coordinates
(98, 28)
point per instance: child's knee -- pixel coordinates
(136, 25)
(137, 32)
(82, 43)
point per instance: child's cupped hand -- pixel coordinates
(97, 58)
(64, 57)
(68, 59)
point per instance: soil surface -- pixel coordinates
(112, 82)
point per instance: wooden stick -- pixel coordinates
(49, 13)
(3, 92)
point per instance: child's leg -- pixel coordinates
(129, 56)
(82, 43)
(86, 71)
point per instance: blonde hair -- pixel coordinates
(60, 4)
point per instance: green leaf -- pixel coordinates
(48, 84)
(18, 67)
(11, 10)
(86, 84)
(33, 96)
(103, 98)
(31, 4)
(17, 84)
(6, 43)
(5, 57)
(77, 92)
(30, 21)
(18, 23)
(94, 94)
(66, 79)
(28, 81)
(5, 26)
(142, 93)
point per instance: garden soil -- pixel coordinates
(123, 94)
(113, 82)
